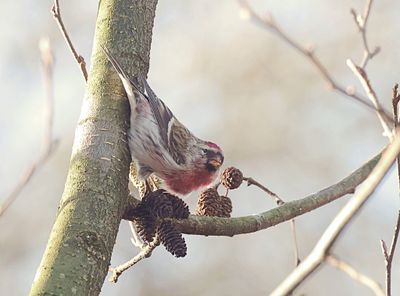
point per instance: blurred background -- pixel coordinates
(235, 84)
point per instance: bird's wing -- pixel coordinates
(162, 113)
(178, 141)
(173, 134)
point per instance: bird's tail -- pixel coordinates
(130, 85)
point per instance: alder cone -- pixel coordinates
(210, 203)
(154, 206)
(225, 206)
(231, 178)
(207, 204)
(172, 239)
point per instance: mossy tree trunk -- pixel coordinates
(79, 249)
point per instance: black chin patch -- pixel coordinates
(211, 168)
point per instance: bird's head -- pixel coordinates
(211, 156)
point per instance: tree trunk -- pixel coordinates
(79, 249)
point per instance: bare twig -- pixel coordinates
(395, 103)
(48, 144)
(295, 243)
(389, 256)
(395, 107)
(362, 76)
(269, 23)
(55, 10)
(342, 219)
(354, 274)
(279, 201)
(144, 253)
(251, 181)
(361, 22)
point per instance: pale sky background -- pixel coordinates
(232, 83)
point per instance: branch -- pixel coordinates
(78, 252)
(388, 255)
(48, 144)
(55, 10)
(144, 253)
(215, 226)
(395, 109)
(362, 76)
(354, 274)
(348, 212)
(279, 202)
(361, 22)
(251, 181)
(268, 23)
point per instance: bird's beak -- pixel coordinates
(216, 162)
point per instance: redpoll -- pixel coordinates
(160, 144)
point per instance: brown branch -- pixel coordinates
(48, 144)
(279, 201)
(361, 22)
(362, 76)
(354, 274)
(339, 223)
(295, 243)
(144, 253)
(395, 110)
(215, 226)
(395, 103)
(268, 23)
(388, 255)
(250, 181)
(55, 10)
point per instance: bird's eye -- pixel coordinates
(204, 151)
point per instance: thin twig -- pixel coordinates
(361, 22)
(144, 253)
(79, 59)
(269, 23)
(354, 274)
(48, 144)
(395, 103)
(251, 181)
(395, 109)
(388, 255)
(295, 243)
(362, 76)
(279, 201)
(339, 223)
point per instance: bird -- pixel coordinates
(161, 145)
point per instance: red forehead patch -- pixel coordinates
(213, 145)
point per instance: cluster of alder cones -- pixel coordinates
(149, 216)
(210, 203)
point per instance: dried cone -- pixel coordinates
(146, 227)
(210, 203)
(180, 210)
(225, 206)
(172, 239)
(158, 204)
(207, 204)
(231, 178)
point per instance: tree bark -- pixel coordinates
(79, 249)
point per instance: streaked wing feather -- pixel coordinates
(161, 112)
(174, 137)
(178, 141)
